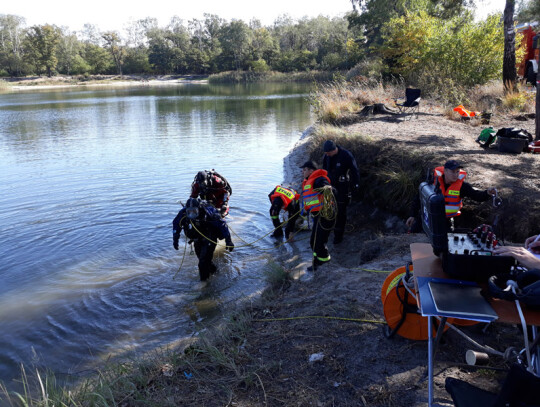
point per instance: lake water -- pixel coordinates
(91, 180)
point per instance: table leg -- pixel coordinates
(430, 361)
(440, 332)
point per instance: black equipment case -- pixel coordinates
(465, 256)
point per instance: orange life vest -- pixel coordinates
(287, 195)
(312, 200)
(464, 112)
(452, 197)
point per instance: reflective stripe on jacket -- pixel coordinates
(287, 195)
(312, 200)
(452, 197)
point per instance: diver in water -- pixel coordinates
(202, 225)
(213, 188)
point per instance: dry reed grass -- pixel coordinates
(333, 101)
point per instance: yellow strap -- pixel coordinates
(368, 321)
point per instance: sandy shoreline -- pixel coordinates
(34, 84)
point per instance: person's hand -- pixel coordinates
(492, 191)
(410, 222)
(175, 243)
(524, 256)
(229, 245)
(532, 245)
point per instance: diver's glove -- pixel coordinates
(229, 244)
(175, 241)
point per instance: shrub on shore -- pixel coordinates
(269, 76)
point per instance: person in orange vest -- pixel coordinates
(287, 199)
(451, 179)
(311, 202)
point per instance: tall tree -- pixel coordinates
(509, 60)
(67, 51)
(235, 40)
(42, 42)
(11, 44)
(116, 49)
(373, 14)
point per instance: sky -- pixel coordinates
(115, 14)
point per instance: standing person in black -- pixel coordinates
(342, 171)
(202, 224)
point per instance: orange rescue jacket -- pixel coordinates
(311, 199)
(452, 198)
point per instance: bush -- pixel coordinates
(519, 101)
(259, 65)
(459, 51)
(368, 68)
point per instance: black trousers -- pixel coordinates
(205, 252)
(341, 220)
(319, 237)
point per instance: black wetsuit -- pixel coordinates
(342, 171)
(210, 224)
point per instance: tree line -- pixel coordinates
(424, 41)
(200, 46)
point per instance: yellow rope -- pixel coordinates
(329, 205)
(369, 321)
(246, 243)
(183, 256)
(372, 271)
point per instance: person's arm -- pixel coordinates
(177, 227)
(467, 191)
(194, 190)
(353, 171)
(414, 211)
(522, 255)
(320, 182)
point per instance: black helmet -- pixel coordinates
(192, 208)
(201, 177)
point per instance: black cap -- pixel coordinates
(329, 145)
(309, 164)
(453, 165)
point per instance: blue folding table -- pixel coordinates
(428, 267)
